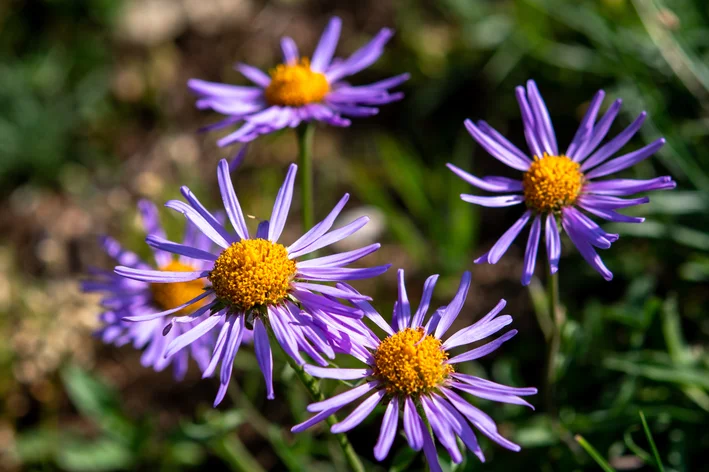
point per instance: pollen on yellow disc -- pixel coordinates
(171, 295)
(409, 363)
(252, 272)
(295, 85)
(551, 183)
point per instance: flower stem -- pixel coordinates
(313, 387)
(553, 342)
(305, 134)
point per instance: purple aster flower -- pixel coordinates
(410, 370)
(554, 186)
(300, 89)
(256, 281)
(127, 298)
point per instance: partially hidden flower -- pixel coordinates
(255, 281)
(411, 371)
(300, 89)
(554, 186)
(126, 298)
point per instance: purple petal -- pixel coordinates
(530, 254)
(586, 127)
(343, 398)
(495, 149)
(545, 129)
(331, 237)
(326, 47)
(586, 249)
(477, 332)
(341, 259)
(491, 394)
(359, 414)
(429, 449)
(627, 160)
(198, 220)
(388, 430)
(623, 187)
(203, 87)
(428, 287)
(502, 244)
(412, 425)
(332, 291)
(610, 203)
(175, 248)
(340, 374)
(501, 185)
(493, 202)
(254, 75)
(453, 340)
(233, 342)
(218, 351)
(332, 274)
(192, 335)
(453, 309)
(502, 141)
(610, 215)
(484, 350)
(531, 132)
(282, 205)
(612, 146)
(318, 230)
(362, 58)
(599, 131)
(314, 420)
(403, 313)
(290, 51)
(159, 276)
(442, 429)
(264, 356)
(553, 243)
(459, 425)
(284, 333)
(231, 202)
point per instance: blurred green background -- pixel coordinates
(94, 114)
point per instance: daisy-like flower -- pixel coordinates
(412, 372)
(300, 89)
(128, 298)
(554, 185)
(258, 282)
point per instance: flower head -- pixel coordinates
(554, 185)
(301, 89)
(255, 281)
(412, 369)
(128, 298)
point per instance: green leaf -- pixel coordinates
(102, 455)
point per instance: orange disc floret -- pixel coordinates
(171, 295)
(551, 183)
(411, 362)
(296, 85)
(252, 272)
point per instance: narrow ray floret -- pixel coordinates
(411, 370)
(301, 89)
(126, 298)
(556, 185)
(257, 282)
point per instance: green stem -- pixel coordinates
(305, 134)
(313, 387)
(553, 341)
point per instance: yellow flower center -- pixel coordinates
(171, 295)
(295, 85)
(252, 272)
(551, 183)
(410, 363)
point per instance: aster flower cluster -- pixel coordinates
(226, 285)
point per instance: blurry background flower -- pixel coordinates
(92, 118)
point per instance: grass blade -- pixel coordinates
(602, 463)
(658, 461)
